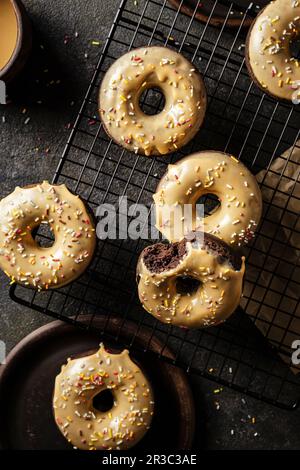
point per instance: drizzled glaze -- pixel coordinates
(268, 47)
(217, 173)
(22, 259)
(214, 301)
(81, 380)
(185, 101)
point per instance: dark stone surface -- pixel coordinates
(49, 93)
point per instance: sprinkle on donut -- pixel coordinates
(81, 380)
(203, 173)
(31, 265)
(268, 53)
(185, 101)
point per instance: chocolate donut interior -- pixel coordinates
(162, 256)
(165, 256)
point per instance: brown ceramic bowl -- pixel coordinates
(23, 45)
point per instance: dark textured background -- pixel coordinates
(33, 132)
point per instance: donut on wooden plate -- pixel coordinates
(81, 380)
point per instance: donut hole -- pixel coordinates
(43, 235)
(104, 401)
(152, 101)
(187, 285)
(210, 203)
(295, 48)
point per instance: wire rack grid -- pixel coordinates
(240, 120)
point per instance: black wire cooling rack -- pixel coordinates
(240, 120)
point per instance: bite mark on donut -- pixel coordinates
(163, 257)
(224, 252)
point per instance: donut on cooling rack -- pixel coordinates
(72, 225)
(82, 380)
(202, 173)
(194, 283)
(121, 90)
(268, 50)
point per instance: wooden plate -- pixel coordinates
(27, 382)
(220, 11)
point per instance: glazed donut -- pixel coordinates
(203, 173)
(194, 283)
(123, 85)
(22, 259)
(77, 385)
(268, 54)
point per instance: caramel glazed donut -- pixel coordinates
(194, 283)
(21, 257)
(215, 173)
(268, 53)
(81, 380)
(123, 85)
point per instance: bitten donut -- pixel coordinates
(194, 283)
(76, 387)
(123, 85)
(234, 221)
(268, 52)
(21, 257)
